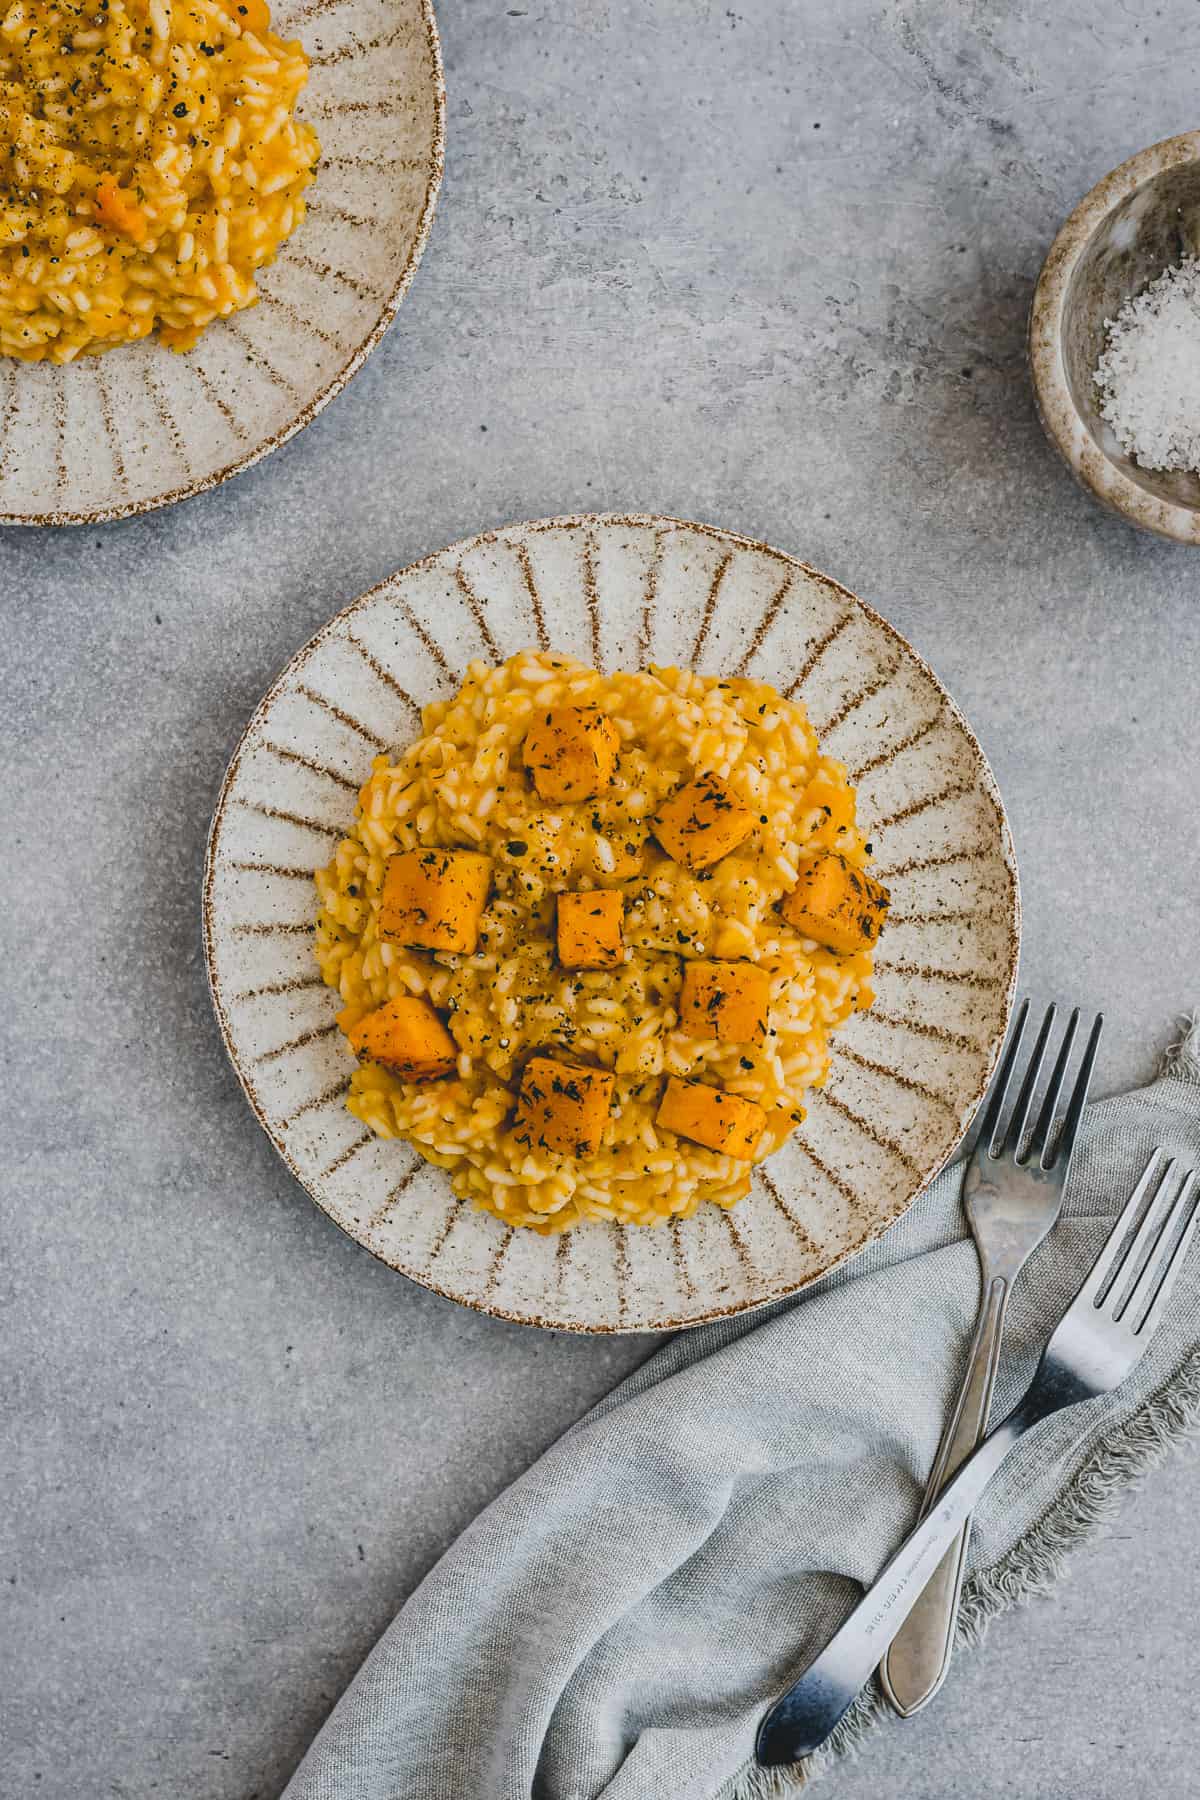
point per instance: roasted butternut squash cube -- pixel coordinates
(571, 752)
(433, 898)
(563, 1107)
(405, 1035)
(836, 904)
(589, 929)
(710, 1116)
(702, 822)
(118, 207)
(724, 1000)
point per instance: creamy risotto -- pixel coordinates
(591, 934)
(150, 162)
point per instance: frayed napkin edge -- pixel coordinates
(1037, 1562)
(1183, 1059)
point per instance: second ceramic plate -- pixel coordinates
(621, 592)
(139, 426)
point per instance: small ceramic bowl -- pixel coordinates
(1139, 220)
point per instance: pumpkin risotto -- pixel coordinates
(150, 162)
(591, 934)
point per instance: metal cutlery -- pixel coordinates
(1097, 1343)
(1012, 1193)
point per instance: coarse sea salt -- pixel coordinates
(1149, 372)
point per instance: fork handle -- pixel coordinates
(800, 1722)
(918, 1659)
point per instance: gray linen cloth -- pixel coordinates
(616, 1622)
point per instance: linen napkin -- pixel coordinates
(616, 1622)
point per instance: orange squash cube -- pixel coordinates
(710, 1116)
(571, 752)
(251, 15)
(407, 1036)
(836, 904)
(589, 929)
(434, 898)
(563, 1107)
(724, 1000)
(117, 206)
(702, 822)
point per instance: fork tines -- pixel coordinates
(1024, 1137)
(1133, 1275)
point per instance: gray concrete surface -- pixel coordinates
(768, 268)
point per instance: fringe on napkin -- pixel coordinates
(1033, 1566)
(1183, 1058)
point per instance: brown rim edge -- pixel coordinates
(105, 515)
(581, 521)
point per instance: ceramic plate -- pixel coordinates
(140, 426)
(621, 592)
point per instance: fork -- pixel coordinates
(1012, 1194)
(1097, 1343)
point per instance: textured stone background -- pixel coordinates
(767, 268)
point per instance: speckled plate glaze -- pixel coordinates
(622, 591)
(139, 426)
